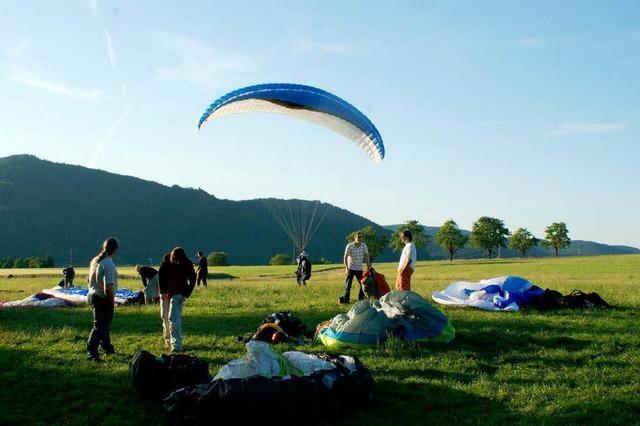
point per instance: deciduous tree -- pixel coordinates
(557, 236)
(522, 240)
(218, 258)
(488, 233)
(280, 259)
(451, 238)
(420, 239)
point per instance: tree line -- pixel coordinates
(27, 262)
(487, 233)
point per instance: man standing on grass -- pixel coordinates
(407, 261)
(103, 282)
(202, 269)
(355, 254)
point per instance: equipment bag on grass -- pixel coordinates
(580, 299)
(291, 324)
(374, 285)
(154, 378)
(278, 400)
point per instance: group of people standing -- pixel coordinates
(169, 286)
(176, 278)
(356, 255)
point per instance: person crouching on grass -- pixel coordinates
(407, 261)
(103, 282)
(177, 278)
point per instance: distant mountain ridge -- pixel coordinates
(577, 248)
(60, 210)
(50, 208)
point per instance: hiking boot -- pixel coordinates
(93, 356)
(109, 350)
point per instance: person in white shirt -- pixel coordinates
(355, 254)
(103, 282)
(407, 261)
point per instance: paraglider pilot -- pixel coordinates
(304, 269)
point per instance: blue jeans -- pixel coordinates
(102, 316)
(171, 313)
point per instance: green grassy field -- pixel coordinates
(561, 367)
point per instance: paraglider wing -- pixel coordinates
(306, 102)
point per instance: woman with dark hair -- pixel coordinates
(177, 279)
(103, 282)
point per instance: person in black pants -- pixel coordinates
(202, 269)
(103, 282)
(355, 254)
(69, 274)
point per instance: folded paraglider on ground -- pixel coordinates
(404, 314)
(264, 385)
(58, 297)
(511, 293)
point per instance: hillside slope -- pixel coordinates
(49, 208)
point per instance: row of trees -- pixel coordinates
(490, 234)
(487, 233)
(27, 262)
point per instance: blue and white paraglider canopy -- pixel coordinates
(301, 219)
(306, 102)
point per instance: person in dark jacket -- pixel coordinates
(69, 275)
(303, 273)
(202, 269)
(177, 278)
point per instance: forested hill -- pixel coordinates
(49, 208)
(577, 248)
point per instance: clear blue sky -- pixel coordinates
(527, 111)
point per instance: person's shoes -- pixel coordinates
(93, 356)
(109, 350)
(343, 301)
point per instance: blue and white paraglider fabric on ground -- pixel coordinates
(494, 294)
(403, 314)
(59, 297)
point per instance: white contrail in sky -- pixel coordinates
(111, 52)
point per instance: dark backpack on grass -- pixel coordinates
(155, 378)
(290, 324)
(550, 299)
(580, 299)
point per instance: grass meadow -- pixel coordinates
(559, 367)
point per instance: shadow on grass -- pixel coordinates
(42, 388)
(47, 388)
